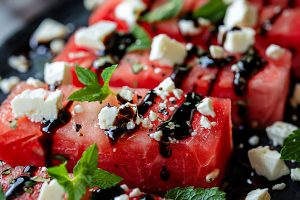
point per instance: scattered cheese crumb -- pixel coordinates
(187, 27)
(239, 41)
(204, 122)
(295, 174)
(254, 140)
(205, 107)
(135, 193)
(19, 63)
(152, 116)
(7, 84)
(57, 72)
(156, 136)
(279, 186)
(126, 93)
(124, 187)
(57, 46)
(122, 197)
(35, 82)
(216, 52)
(275, 52)
(177, 93)
(78, 109)
(278, 131)
(107, 117)
(51, 190)
(258, 194)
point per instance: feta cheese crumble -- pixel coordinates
(239, 41)
(254, 140)
(37, 105)
(35, 82)
(156, 136)
(122, 197)
(135, 192)
(204, 122)
(57, 73)
(49, 30)
(295, 174)
(167, 51)
(152, 116)
(275, 52)
(267, 163)
(216, 52)
(7, 84)
(279, 186)
(258, 194)
(126, 93)
(52, 190)
(165, 87)
(93, 36)
(205, 107)
(107, 117)
(19, 63)
(188, 27)
(129, 10)
(241, 13)
(278, 131)
(92, 4)
(78, 109)
(56, 46)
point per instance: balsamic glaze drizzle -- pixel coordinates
(147, 102)
(49, 129)
(267, 24)
(107, 194)
(164, 173)
(179, 125)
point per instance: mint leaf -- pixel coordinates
(191, 193)
(291, 147)
(92, 91)
(213, 10)
(104, 179)
(143, 40)
(2, 196)
(85, 175)
(166, 11)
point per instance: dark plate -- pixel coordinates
(240, 178)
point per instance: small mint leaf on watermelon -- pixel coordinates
(166, 11)
(2, 197)
(291, 147)
(92, 91)
(85, 175)
(190, 193)
(213, 10)
(142, 41)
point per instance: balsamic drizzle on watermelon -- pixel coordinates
(49, 128)
(109, 193)
(267, 24)
(164, 173)
(147, 102)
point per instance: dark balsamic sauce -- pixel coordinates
(147, 102)
(164, 173)
(249, 65)
(107, 194)
(207, 61)
(146, 197)
(291, 3)
(267, 24)
(30, 169)
(49, 129)
(179, 125)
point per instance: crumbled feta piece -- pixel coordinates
(267, 163)
(235, 68)
(19, 63)
(295, 174)
(37, 105)
(275, 52)
(166, 85)
(78, 109)
(152, 116)
(239, 41)
(205, 107)
(52, 190)
(216, 52)
(146, 123)
(49, 30)
(162, 106)
(204, 122)
(57, 72)
(254, 140)
(278, 131)
(156, 136)
(279, 186)
(122, 197)
(130, 125)
(241, 13)
(177, 93)
(35, 82)
(92, 4)
(212, 175)
(188, 27)
(93, 36)
(258, 194)
(7, 84)
(129, 10)
(57, 46)
(124, 187)
(107, 117)
(167, 51)
(126, 93)
(135, 192)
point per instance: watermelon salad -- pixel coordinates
(164, 99)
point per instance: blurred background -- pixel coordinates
(16, 13)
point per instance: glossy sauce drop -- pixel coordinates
(164, 173)
(107, 194)
(147, 102)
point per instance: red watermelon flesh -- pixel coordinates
(134, 157)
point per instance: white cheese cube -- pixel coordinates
(267, 163)
(93, 37)
(274, 51)
(19, 63)
(92, 4)
(7, 84)
(166, 85)
(57, 72)
(204, 122)
(278, 131)
(295, 174)
(216, 52)
(35, 82)
(241, 13)
(52, 190)
(49, 30)
(107, 117)
(37, 105)
(187, 27)
(239, 41)
(167, 51)
(129, 10)
(205, 107)
(126, 93)
(258, 194)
